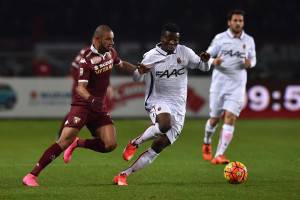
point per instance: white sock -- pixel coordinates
(225, 139)
(149, 133)
(209, 132)
(143, 160)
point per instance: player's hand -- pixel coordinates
(217, 61)
(204, 56)
(96, 103)
(142, 68)
(247, 63)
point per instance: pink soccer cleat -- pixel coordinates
(120, 179)
(129, 151)
(68, 152)
(206, 151)
(221, 159)
(30, 180)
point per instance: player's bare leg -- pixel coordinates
(210, 129)
(147, 157)
(162, 125)
(62, 125)
(105, 141)
(66, 138)
(225, 138)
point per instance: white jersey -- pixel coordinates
(229, 80)
(166, 82)
(233, 52)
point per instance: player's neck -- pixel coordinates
(102, 50)
(236, 34)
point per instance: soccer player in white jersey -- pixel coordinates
(233, 52)
(165, 97)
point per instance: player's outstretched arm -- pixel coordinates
(127, 66)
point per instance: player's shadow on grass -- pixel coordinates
(192, 183)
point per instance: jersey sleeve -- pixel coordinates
(194, 61)
(252, 53)
(214, 47)
(84, 71)
(147, 59)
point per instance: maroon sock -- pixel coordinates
(93, 144)
(49, 155)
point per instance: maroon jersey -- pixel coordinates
(95, 69)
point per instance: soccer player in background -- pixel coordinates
(165, 97)
(87, 104)
(233, 51)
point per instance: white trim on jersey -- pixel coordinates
(94, 50)
(120, 63)
(83, 81)
(232, 36)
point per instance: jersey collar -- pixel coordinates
(94, 50)
(232, 36)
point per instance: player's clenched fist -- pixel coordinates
(142, 68)
(247, 63)
(217, 61)
(204, 56)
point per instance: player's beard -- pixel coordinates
(237, 29)
(103, 48)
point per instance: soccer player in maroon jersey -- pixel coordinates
(74, 72)
(87, 104)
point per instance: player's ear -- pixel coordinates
(228, 23)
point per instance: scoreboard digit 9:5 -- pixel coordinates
(272, 100)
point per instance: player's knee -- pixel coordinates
(230, 118)
(213, 121)
(160, 144)
(165, 127)
(164, 122)
(110, 146)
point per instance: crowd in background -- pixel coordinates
(40, 38)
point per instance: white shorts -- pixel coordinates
(218, 103)
(176, 120)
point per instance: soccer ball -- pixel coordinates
(235, 172)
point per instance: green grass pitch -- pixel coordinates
(269, 148)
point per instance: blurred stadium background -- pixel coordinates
(40, 39)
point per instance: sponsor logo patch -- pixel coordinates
(82, 60)
(179, 60)
(76, 120)
(96, 60)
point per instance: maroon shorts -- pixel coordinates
(80, 116)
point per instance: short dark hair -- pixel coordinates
(171, 27)
(100, 29)
(235, 12)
